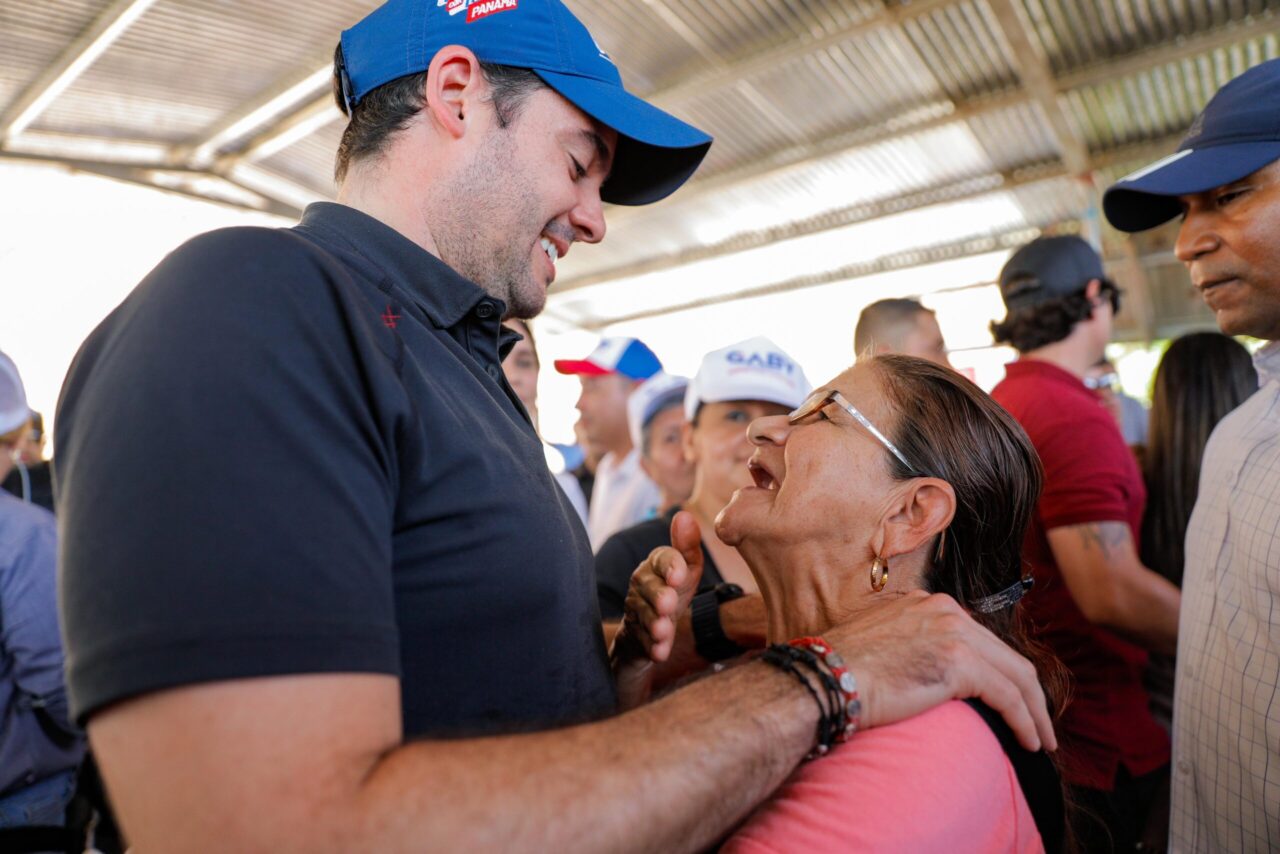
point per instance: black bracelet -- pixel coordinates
(786, 658)
(836, 713)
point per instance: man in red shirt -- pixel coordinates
(1095, 605)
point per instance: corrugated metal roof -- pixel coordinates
(846, 127)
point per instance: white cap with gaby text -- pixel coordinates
(755, 369)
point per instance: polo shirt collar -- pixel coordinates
(1267, 362)
(1047, 371)
(438, 289)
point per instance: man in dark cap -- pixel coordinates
(1095, 605)
(333, 648)
(1224, 181)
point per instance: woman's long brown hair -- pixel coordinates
(1202, 377)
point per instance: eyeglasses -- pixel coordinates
(1109, 380)
(821, 399)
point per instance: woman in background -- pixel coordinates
(1201, 378)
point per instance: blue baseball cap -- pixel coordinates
(1237, 134)
(627, 356)
(656, 152)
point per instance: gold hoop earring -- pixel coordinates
(879, 574)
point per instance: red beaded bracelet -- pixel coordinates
(852, 706)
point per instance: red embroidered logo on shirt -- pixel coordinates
(389, 317)
(484, 8)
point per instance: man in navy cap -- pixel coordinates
(332, 648)
(1224, 181)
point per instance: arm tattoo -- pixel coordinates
(1107, 537)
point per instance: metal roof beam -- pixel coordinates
(79, 55)
(1023, 176)
(301, 123)
(883, 264)
(733, 72)
(152, 177)
(930, 116)
(270, 106)
(955, 191)
(1038, 81)
(1186, 47)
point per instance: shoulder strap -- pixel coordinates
(1041, 785)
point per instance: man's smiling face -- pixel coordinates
(530, 190)
(1230, 244)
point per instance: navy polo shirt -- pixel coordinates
(294, 451)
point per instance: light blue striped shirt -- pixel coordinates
(1226, 723)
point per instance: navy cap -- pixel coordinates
(1048, 268)
(656, 152)
(1237, 134)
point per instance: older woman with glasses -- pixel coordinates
(897, 476)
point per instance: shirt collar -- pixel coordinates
(1267, 362)
(442, 293)
(1047, 371)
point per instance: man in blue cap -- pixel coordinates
(1224, 181)
(330, 649)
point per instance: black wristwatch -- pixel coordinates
(708, 635)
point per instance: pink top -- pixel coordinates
(937, 782)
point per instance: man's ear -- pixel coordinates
(455, 84)
(922, 510)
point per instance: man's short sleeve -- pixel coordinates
(1089, 473)
(226, 477)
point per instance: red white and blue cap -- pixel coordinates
(656, 151)
(626, 356)
(755, 369)
(1237, 134)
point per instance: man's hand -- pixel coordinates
(662, 588)
(915, 652)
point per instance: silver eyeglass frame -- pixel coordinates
(820, 399)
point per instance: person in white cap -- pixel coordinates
(734, 386)
(655, 415)
(39, 748)
(623, 493)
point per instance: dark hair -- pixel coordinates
(1201, 378)
(886, 319)
(390, 107)
(950, 429)
(1048, 321)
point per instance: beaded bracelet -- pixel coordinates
(845, 680)
(779, 656)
